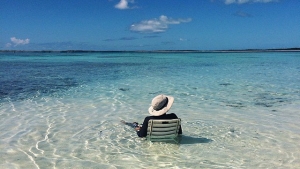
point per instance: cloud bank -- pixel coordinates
(248, 1)
(123, 38)
(156, 25)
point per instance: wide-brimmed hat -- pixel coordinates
(160, 105)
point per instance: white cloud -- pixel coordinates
(17, 42)
(123, 4)
(156, 25)
(248, 1)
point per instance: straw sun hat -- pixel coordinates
(160, 105)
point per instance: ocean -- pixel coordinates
(63, 110)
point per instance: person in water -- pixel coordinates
(160, 105)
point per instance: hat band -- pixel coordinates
(163, 106)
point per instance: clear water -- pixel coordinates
(238, 110)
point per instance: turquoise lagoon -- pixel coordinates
(63, 110)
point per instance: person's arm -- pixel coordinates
(138, 128)
(142, 131)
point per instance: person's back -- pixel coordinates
(142, 132)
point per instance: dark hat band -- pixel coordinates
(161, 105)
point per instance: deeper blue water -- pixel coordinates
(60, 110)
(28, 75)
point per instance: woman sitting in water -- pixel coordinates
(160, 105)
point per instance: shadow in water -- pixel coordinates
(193, 140)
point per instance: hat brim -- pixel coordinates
(164, 110)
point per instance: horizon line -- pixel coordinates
(154, 51)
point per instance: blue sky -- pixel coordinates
(149, 24)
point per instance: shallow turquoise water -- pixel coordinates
(239, 110)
